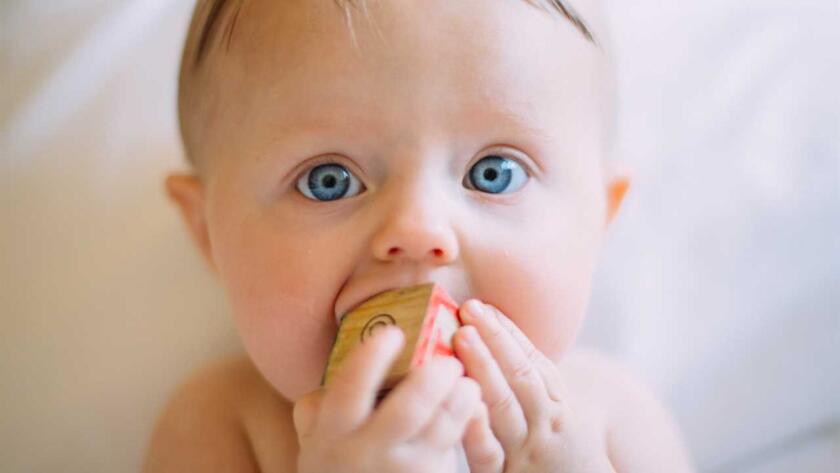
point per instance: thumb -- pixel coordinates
(305, 413)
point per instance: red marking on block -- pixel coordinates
(432, 340)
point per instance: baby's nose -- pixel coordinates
(416, 231)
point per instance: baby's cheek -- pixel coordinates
(543, 292)
(281, 284)
(285, 319)
(289, 350)
(284, 316)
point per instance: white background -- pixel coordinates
(720, 283)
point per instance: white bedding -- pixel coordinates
(721, 282)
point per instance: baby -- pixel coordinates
(345, 148)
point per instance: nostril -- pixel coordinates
(393, 251)
(438, 252)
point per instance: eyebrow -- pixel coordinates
(212, 23)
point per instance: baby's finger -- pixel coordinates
(410, 405)
(506, 414)
(447, 426)
(551, 375)
(305, 412)
(483, 451)
(351, 394)
(521, 373)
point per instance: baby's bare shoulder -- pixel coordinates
(641, 434)
(225, 417)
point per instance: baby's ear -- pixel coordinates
(617, 182)
(186, 191)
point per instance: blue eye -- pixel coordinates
(497, 175)
(328, 182)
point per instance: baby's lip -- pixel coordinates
(359, 299)
(355, 304)
(349, 299)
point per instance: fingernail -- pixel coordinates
(391, 334)
(465, 338)
(469, 335)
(475, 308)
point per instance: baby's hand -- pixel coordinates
(537, 429)
(414, 429)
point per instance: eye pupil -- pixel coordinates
(330, 181)
(490, 174)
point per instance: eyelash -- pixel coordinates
(339, 172)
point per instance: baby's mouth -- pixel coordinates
(340, 313)
(355, 293)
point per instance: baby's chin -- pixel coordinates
(291, 381)
(293, 389)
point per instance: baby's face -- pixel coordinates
(461, 143)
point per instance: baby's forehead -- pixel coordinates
(511, 61)
(215, 21)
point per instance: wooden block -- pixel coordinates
(427, 316)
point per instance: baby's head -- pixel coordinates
(342, 149)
